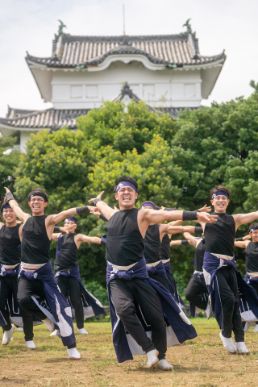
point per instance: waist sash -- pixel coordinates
(58, 309)
(91, 305)
(179, 325)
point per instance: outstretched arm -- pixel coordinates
(245, 218)
(191, 239)
(178, 242)
(81, 238)
(57, 218)
(242, 244)
(149, 216)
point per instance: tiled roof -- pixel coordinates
(55, 118)
(49, 118)
(80, 52)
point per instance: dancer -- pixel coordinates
(10, 257)
(68, 274)
(196, 291)
(251, 260)
(219, 269)
(127, 277)
(154, 247)
(36, 277)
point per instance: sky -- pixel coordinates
(30, 25)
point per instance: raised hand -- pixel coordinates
(205, 208)
(204, 217)
(95, 200)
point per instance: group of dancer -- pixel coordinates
(26, 278)
(145, 308)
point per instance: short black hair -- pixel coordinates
(4, 206)
(38, 192)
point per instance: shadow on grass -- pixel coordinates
(176, 368)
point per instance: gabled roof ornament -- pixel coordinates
(57, 48)
(188, 26)
(61, 28)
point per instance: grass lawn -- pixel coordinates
(200, 362)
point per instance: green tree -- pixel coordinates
(175, 162)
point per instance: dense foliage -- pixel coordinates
(175, 162)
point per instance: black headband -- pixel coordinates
(38, 193)
(220, 192)
(253, 227)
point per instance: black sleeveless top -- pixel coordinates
(251, 255)
(152, 244)
(10, 245)
(198, 257)
(35, 242)
(165, 248)
(66, 252)
(124, 243)
(219, 237)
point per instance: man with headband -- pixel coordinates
(36, 277)
(127, 276)
(10, 258)
(67, 272)
(219, 269)
(251, 262)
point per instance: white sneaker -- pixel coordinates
(7, 335)
(242, 348)
(256, 328)
(152, 358)
(73, 353)
(83, 331)
(228, 343)
(30, 344)
(49, 324)
(164, 365)
(55, 332)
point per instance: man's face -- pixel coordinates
(220, 203)
(254, 236)
(126, 197)
(37, 205)
(69, 225)
(9, 216)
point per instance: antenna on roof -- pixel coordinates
(124, 19)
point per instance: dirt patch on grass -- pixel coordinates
(201, 362)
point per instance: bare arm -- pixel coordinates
(191, 239)
(180, 229)
(149, 216)
(81, 238)
(241, 244)
(23, 216)
(105, 209)
(57, 218)
(245, 218)
(176, 242)
(55, 236)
